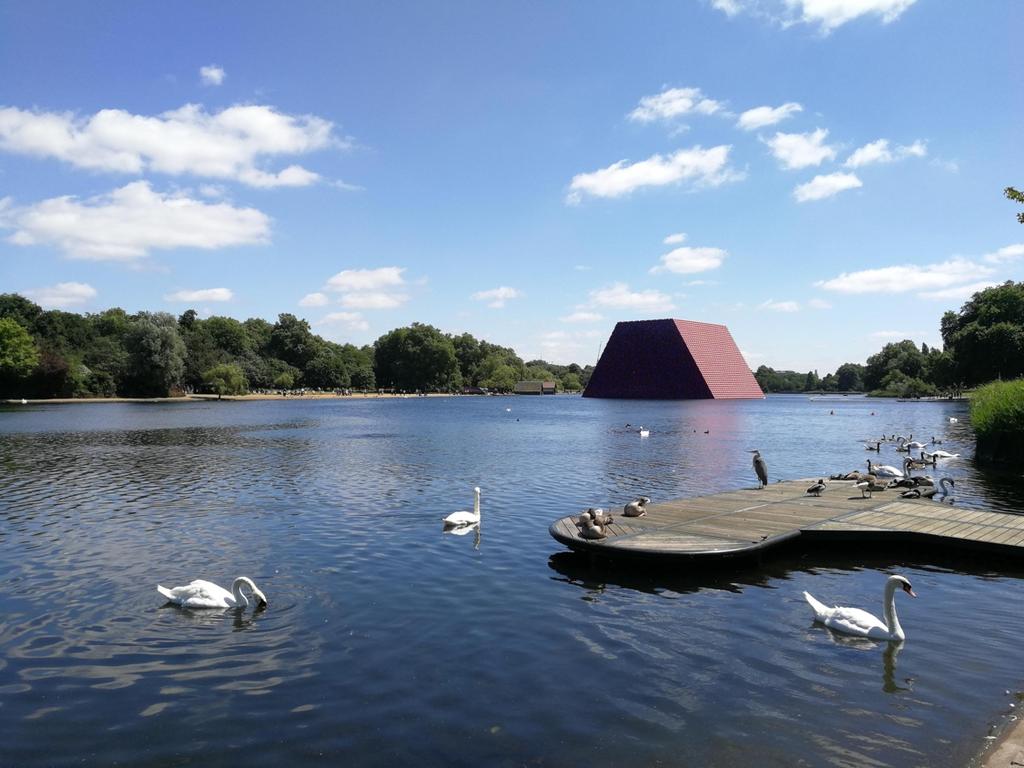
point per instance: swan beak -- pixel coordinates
(908, 590)
(261, 600)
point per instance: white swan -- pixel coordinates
(206, 594)
(883, 470)
(938, 455)
(645, 432)
(854, 621)
(458, 519)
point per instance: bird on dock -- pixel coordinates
(206, 594)
(883, 470)
(926, 492)
(461, 518)
(854, 475)
(855, 621)
(590, 530)
(761, 468)
(817, 488)
(600, 517)
(637, 507)
(867, 485)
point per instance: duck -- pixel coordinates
(858, 622)
(458, 519)
(206, 594)
(817, 488)
(637, 507)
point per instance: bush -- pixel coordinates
(997, 414)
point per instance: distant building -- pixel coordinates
(672, 360)
(535, 388)
(474, 391)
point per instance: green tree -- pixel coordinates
(850, 377)
(156, 355)
(418, 357)
(986, 338)
(225, 379)
(18, 354)
(292, 341)
(284, 380)
(1017, 196)
(20, 309)
(571, 382)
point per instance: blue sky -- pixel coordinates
(822, 176)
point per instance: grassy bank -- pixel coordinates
(997, 415)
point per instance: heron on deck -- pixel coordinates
(760, 468)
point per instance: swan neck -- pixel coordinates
(476, 502)
(236, 591)
(892, 621)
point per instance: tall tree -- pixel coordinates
(156, 355)
(416, 357)
(18, 355)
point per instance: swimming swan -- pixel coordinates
(465, 518)
(206, 594)
(854, 621)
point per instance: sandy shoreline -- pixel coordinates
(1007, 749)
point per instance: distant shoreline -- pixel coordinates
(214, 398)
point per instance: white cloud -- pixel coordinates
(673, 102)
(61, 295)
(314, 300)
(907, 278)
(761, 117)
(582, 316)
(879, 152)
(496, 297)
(728, 7)
(780, 306)
(369, 288)
(131, 221)
(830, 14)
(892, 335)
(701, 166)
(212, 75)
(1005, 254)
(819, 304)
(688, 260)
(959, 293)
(226, 145)
(827, 185)
(349, 280)
(675, 239)
(950, 166)
(799, 150)
(204, 294)
(373, 300)
(563, 347)
(353, 321)
(618, 296)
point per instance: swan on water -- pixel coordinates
(637, 507)
(644, 432)
(458, 519)
(855, 621)
(206, 594)
(931, 457)
(953, 419)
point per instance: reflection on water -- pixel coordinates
(388, 641)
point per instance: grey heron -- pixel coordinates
(760, 468)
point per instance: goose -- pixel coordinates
(590, 530)
(867, 485)
(883, 470)
(854, 475)
(645, 432)
(206, 594)
(817, 488)
(876, 446)
(855, 621)
(926, 492)
(637, 507)
(458, 519)
(600, 517)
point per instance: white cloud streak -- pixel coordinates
(779, 306)
(61, 295)
(203, 294)
(353, 321)
(229, 144)
(675, 239)
(373, 300)
(131, 221)
(314, 300)
(673, 102)
(958, 293)
(908, 278)
(879, 152)
(824, 186)
(689, 260)
(703, 167)
(1005, 254)
(800, 150)
(762, 117)
(497, 297)
(619, 296)
(827, 15)
(349, 280)
(582, 316)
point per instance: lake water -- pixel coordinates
(387, 642)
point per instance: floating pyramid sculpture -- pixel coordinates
(672, 360)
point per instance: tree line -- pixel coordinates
(52, 353)
(982, 342)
